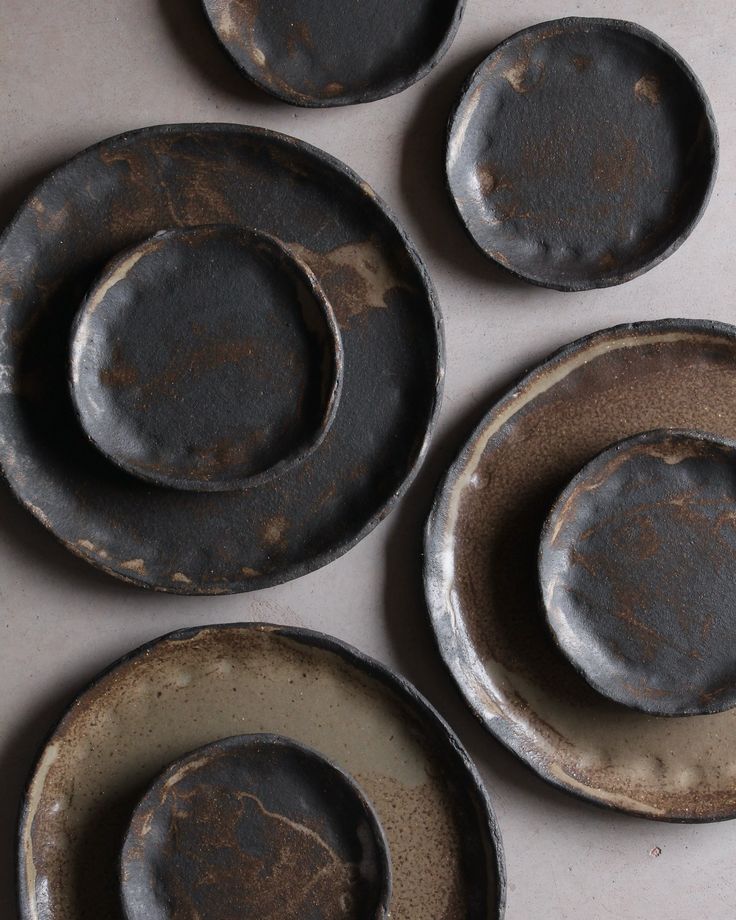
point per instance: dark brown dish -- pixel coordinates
(250, 827)
(319, 53)
(206, 359)
(638, 565)
(197, 686)
(482, 544)
(582, 153)
(121, 192)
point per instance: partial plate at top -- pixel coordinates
(637, 566)
(582, 152)
(334, 52)
(255, 826)
(481, 577)
(206, 358)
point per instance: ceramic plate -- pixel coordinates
(582, 152)
(119, 193)
(481, 580)
(197, 686)
(322, 53)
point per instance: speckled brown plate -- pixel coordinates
(582, 153)
(121, 192)
(481, 567)
(200, 685)
(334, 52)
(207, 359)
(250, 827)
(637, 566)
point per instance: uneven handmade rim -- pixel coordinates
(434, 531)
(340, 548)
(393, 682)
(572, 23)
(655, 436)
(293, 97)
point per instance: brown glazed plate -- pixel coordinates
(319, 53)
(198, 686)
(637, 567)
(250, 827)
(206, 359)
(581, 153)
(123, 191)
(481, 551)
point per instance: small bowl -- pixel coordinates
(637, 567)
(250, 827)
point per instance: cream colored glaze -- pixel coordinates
(182, 695)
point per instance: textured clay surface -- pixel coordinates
(637, 568)
(481, 567)
(581, 153)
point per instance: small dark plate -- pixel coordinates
(206, 358)
(582, 153)
(318, 53)
(638, 565)
(255, 826)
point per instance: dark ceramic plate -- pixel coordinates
(250, 827)
(197, 686)
(334, 52)
(637, 567)
(112, 197)
(481, 579)
(582, 153)
(206, 359)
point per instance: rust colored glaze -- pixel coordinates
(206, 359)
(481, 581)
(198, 686)
(312, 53)
(252, 827)
(581, 153)
(637, 566)
(116, 195)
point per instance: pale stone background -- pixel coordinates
(75, 71)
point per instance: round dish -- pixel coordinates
(200, 685)
(481, 550)
(111, 197)
(637, 565)
(206, 359)
(312, 53)
(250, 827)
(582, 153)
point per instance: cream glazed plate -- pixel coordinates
(197, 686)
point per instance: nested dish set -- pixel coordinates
(222, 359)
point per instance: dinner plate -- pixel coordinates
(481, 581)
(581, 153)
(334, 52)
(200, 685)
(255, 826)
(116, 195)
(206, 359)
(637, 566)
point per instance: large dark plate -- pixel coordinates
(582, 153)
(200, 685)
(255, 826)
(637, 566)
(121, 192)
(335, 52)
(481, 567)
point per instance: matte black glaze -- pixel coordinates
(206, 359)
(334, 52)
(250, 827)
(638, 566)
(119, 193)
(582, 152)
